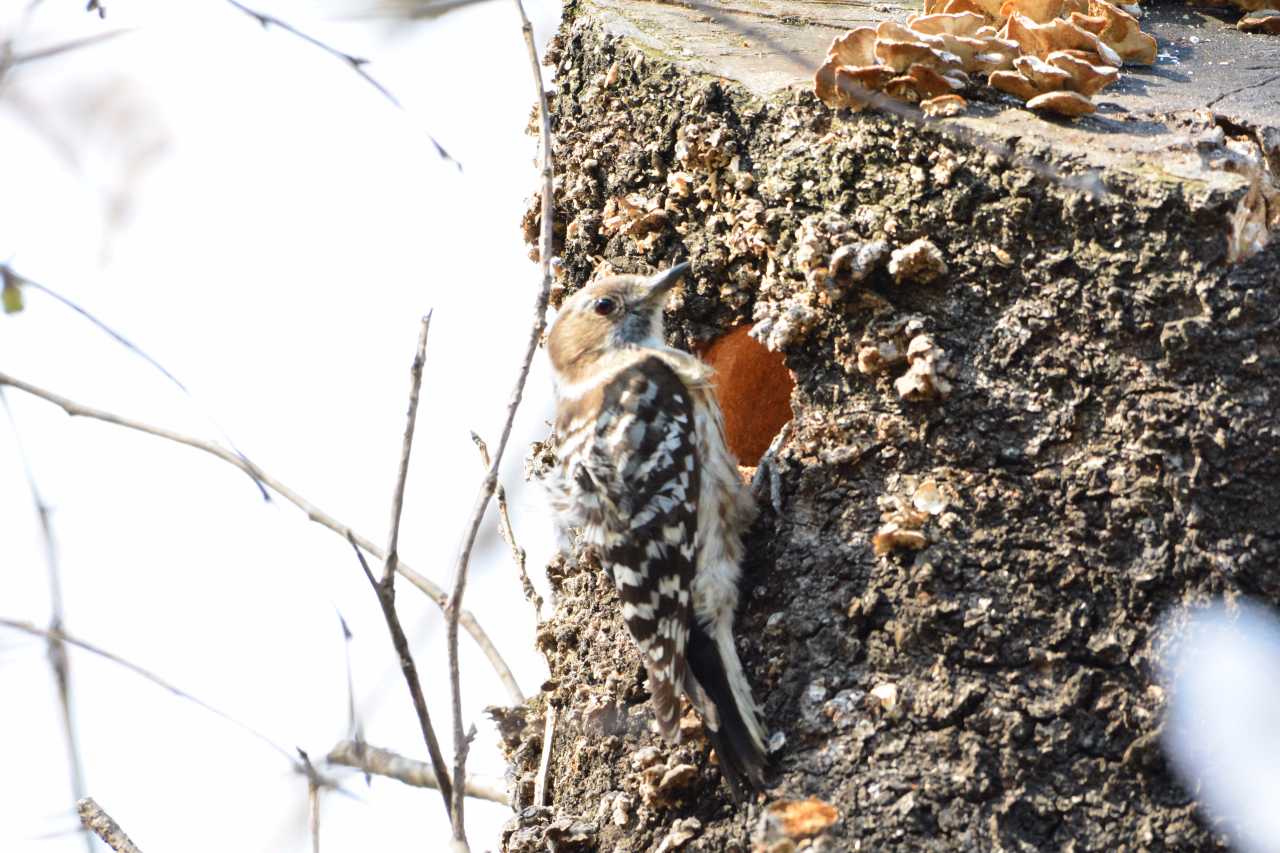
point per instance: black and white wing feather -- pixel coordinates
(638, 474)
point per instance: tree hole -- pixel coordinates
(754, 387)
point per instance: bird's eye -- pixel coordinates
(604, 306)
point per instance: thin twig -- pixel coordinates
(415, 10)
(315, 780)
(468, 620)
(58, 661)
(544, 763)
(386, 588)
(384, 762)
(314, 513)
(314, 784)
(355, 731)
(313, 806)
(14, 279)
(64, 637)
(406, 448)
(355, 63)
(317, 783)
(65, 47)
(410, 670)
(101, 824)
(491, 477)
(509, 536)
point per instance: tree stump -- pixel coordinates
(1014, 446)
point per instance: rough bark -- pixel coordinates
(1109, 449)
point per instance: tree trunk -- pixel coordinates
(1090, 433)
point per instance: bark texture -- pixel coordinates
(1109, 449)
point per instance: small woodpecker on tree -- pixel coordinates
(645, 473)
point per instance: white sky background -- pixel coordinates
(277, 257)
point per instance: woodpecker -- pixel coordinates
(644, 472)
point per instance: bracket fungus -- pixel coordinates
(878, 357)
(1062, 84)
(901, 528)
(1063, 103)
(989, 9)
(635, 216)
(903, 518)
(925, 377)
(943, 106)
(1062, 67)
(1245, 5)
(1053, 54)
(1041, 11)
(920, 261)
(1261, 21)
(1058, 34)
(784, 822)
(1257, 216)
(1118, 30)
(907, 63)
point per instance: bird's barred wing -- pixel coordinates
(643, 458)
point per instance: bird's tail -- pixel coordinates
(729, 713)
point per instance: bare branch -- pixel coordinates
(544, 763)
(416, 10)
(355, 63)
(509, 536)
(8, 58)
(406, 447)
(386, 598)
(63, 636)
(314, 513)
(490, 480)
(101, 824)
(386, 588)
(58, 661)
(354, 728)
(65, 47)
(467, 621)
(313, 807)
(384, 762)
(490, 483)
(14, 279)
(315, 782)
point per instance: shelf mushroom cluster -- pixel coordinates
(1053, 54)
(1260, 16)
(1261, 20)
(1246, 6)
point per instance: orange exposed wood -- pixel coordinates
(754, 389)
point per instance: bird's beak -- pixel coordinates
(662, 282)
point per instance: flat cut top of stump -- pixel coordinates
(1204, 63)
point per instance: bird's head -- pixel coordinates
(617, 312)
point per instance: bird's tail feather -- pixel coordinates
(732, 724)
